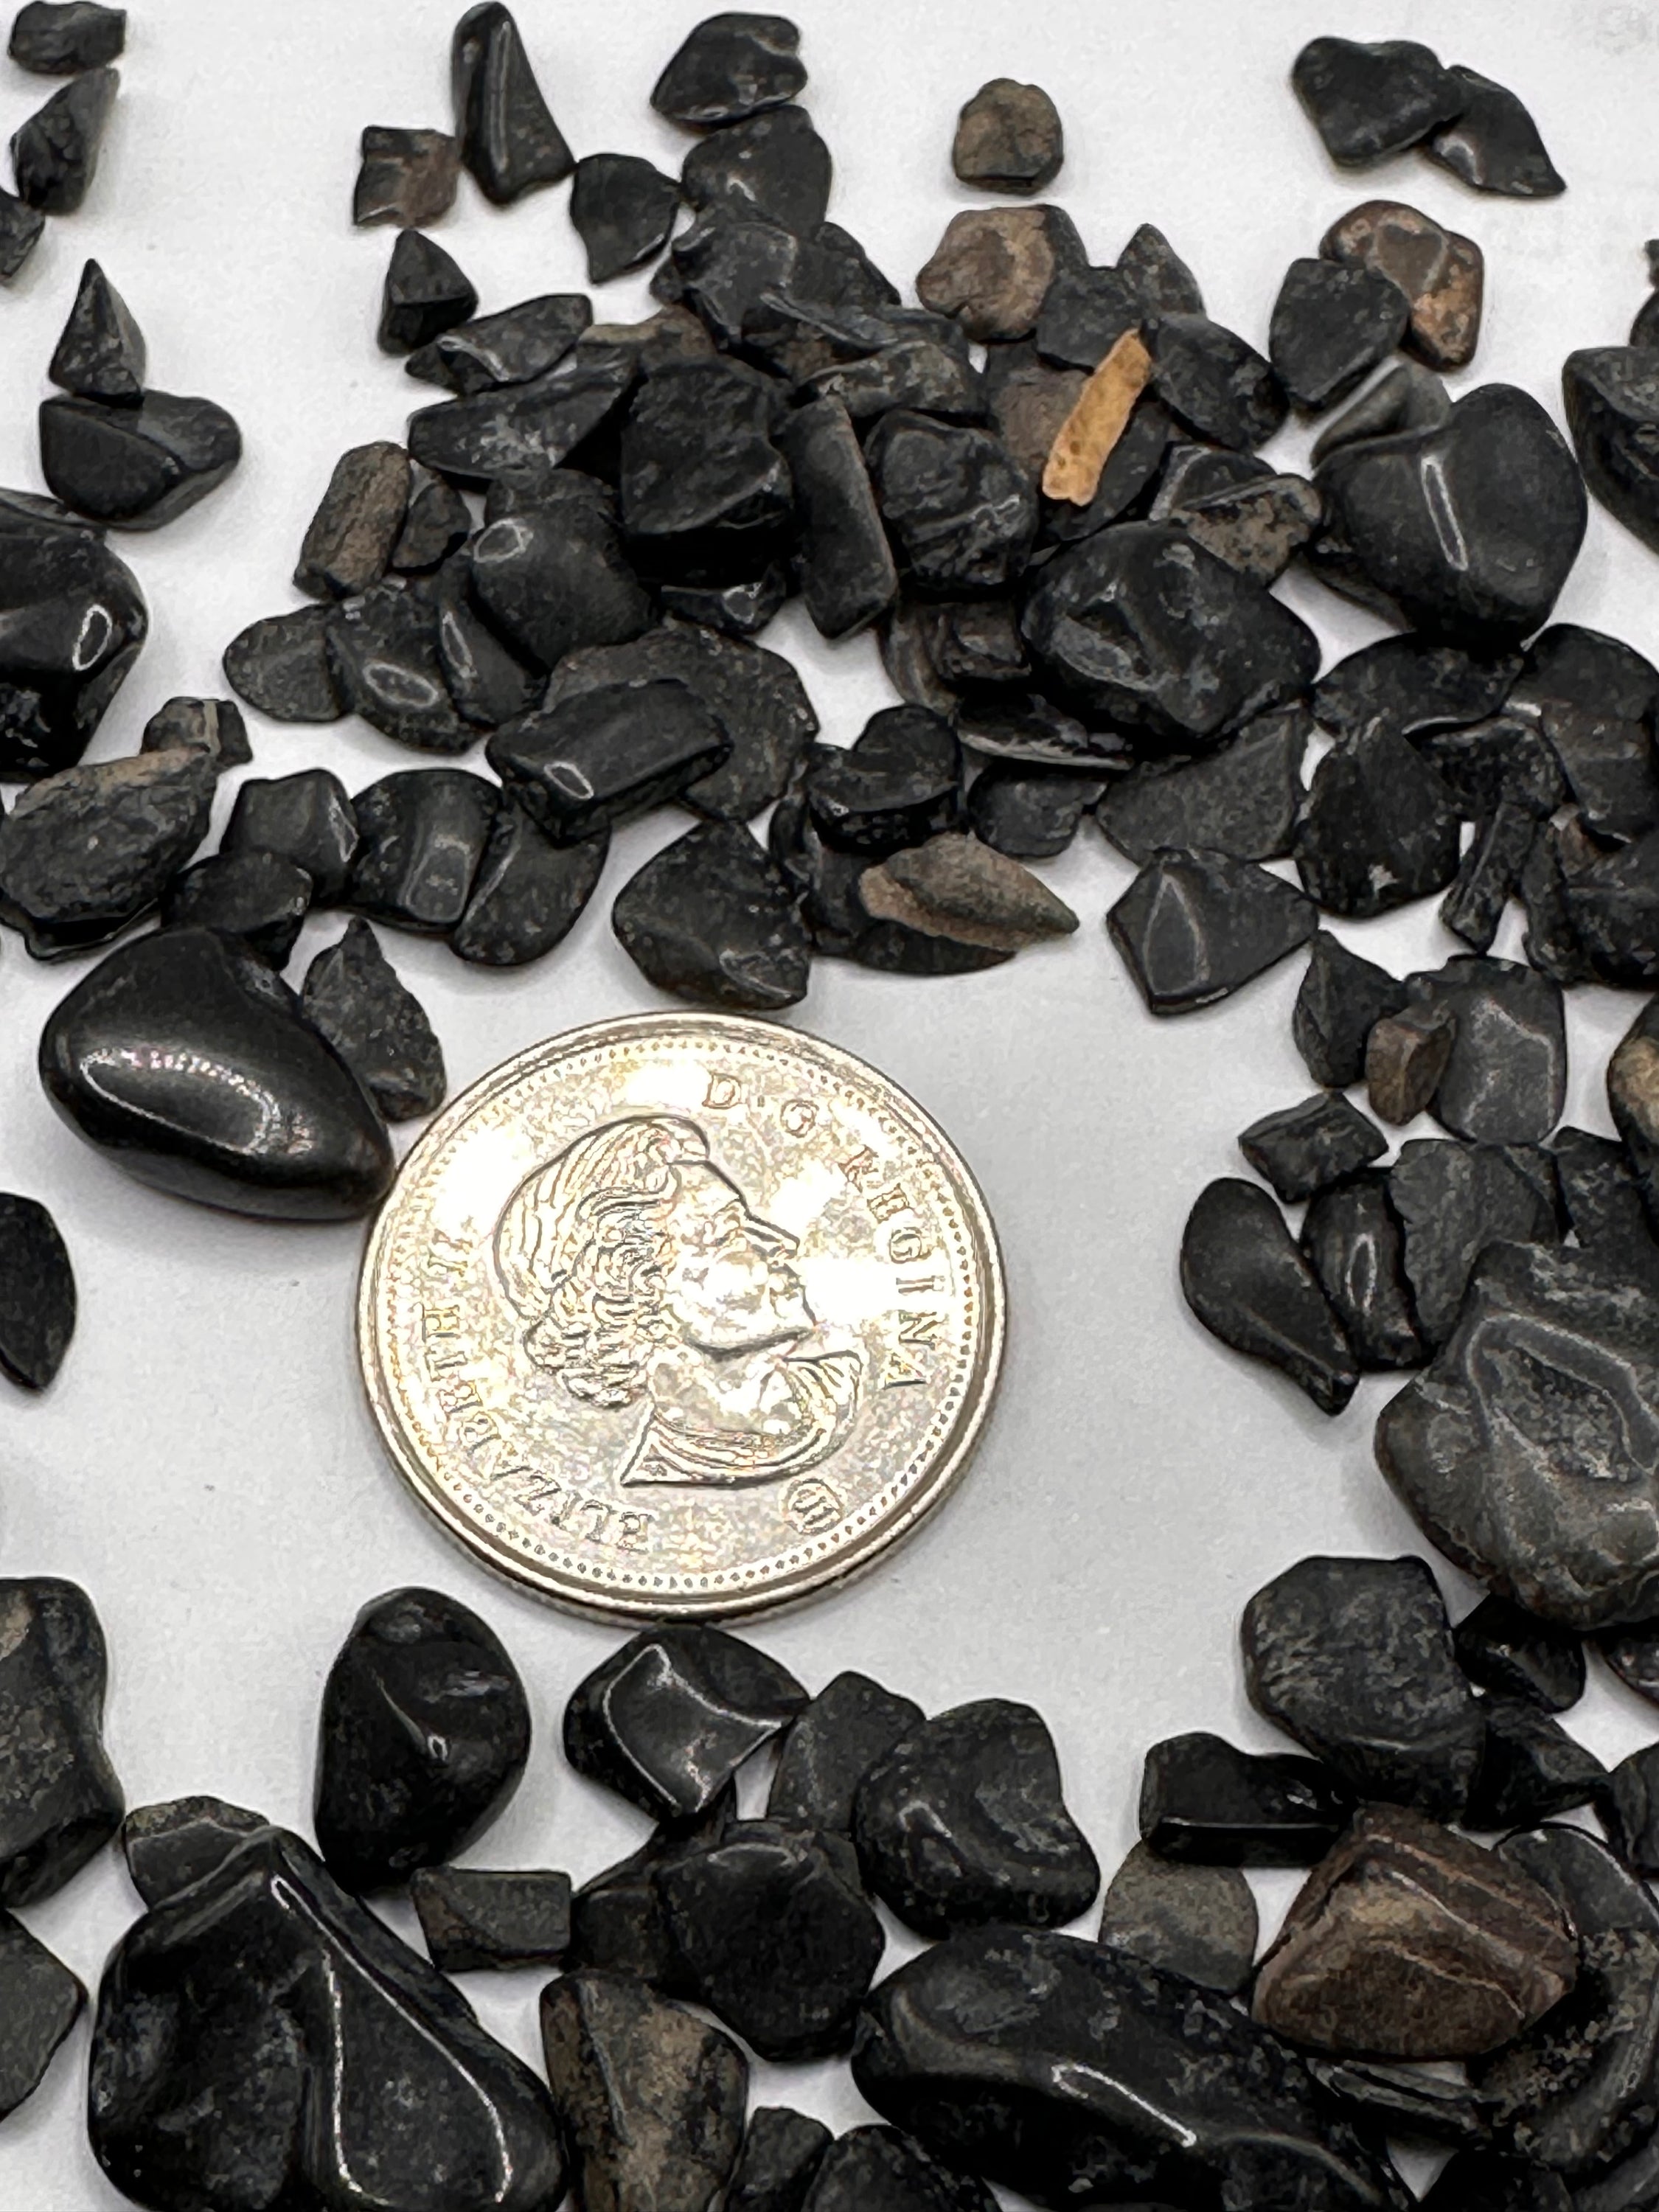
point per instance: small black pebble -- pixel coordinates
(37, 1293)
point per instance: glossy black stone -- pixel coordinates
(1594, 699)
(959, 509)
(186, 1061)
(305, 817)
(60, 1802)
(1594, 915)
(1341, 1000)
(623, 210)
(1194, 927)
(963, 1823)
(168, 1846)
(61, 38)
(37, 1293)
(1066, 2069)
(1244, 1277)
(350, 539)
(435, 525)
(1612, 395)
(1007, 723)
(474, 1916)
(488, 682)
(1355, 1246)
(261, 899)
(1512, 1653)
(729, 67)
(423, 834)
(1204, 1803)
(1379, 827)
(1407, 398)
(508, 139)
(1565, 1341)
(1243, 800)
(1195, 1921)
(260, 1994)
(352, 994)
(1468, 530)
(1412, 685)
(1157, 636)
(86, 854)
(619, 1921)
(848, 576)
(555, 577)
(383, 652)
(1208, 378)
(20, 227)
(1330, 327)
(425, 293)
(1369, 101)
(1030, 813)
(1354, 1658)
(668, 1720)
(651, 2097)
(40, 2001)
(100, 354)
(1530, 1770)
(513, 346)
(280, 666)
(782, 2151)
(1493, 143)
(897, 785)
(214, 727)
(713, 919)
(773, 164)
(831, 1746)
(528, 892)
(1453, 1200)
(736, 610)
(775, 1935)
(136, 468)
(407, 177)
(1505, 1080)
(1304, 1149)
(54, 156)
(530, 427)
(603, 756)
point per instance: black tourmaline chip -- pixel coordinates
(425, 1733)
(712, 919)
(607, 755)
(350, 541)
(848, 575)
(515, 345)
(305, 817)
(959, 509)
(1205, 1803)
(528, 891)
(168, 1846)
(1331, 327)
(850, 1724)
(40, 2001)
(623, 210)
(55, 155)
(1030, 813)
(703, 487)
(773, 165)
(1490, 873)
(1242, 1275)
(897, 785)
(20, 227)
(1195, 927)
(880, 2166)
(1493, 143)
(100, 354)
(37, 1293)
(780, 2154)
(407, 177)
(520, 432)
(1612, 395)
(1411, 685)
(963, 1822)
(1505, 1080)
(555, 579)
(1354, 1244)
(437, 523)
(280, 666)
(475, 1916)
(618, 1921)
(380, 1029)
(185, 1060)
(60, 1802)
(1507, 1650)
(1453, 1200)
(383, 650)
(425, 293)
(1594, 699)
(1379, 827)
(214, 727)
(1197, 1921)
(423, 834)
(1133, 2085)
(1531, 1770)
(1302, 1149)
(1354, 1658)
(730, 67)
(259, 898)
(776, 1936)
(1243, 800)
(61, 38)
(508, 139)
(668, 1720)
(1369, 101)
(1342, 999)
(254, 1995)
(136, 468)
(1211, 380)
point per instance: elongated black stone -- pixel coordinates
(425, 293)
(349, 540)
(40, 2001)
(1412, 685)
(55, 155)
(1493, 143)
(729, 67)
(528, 892)
(305, 817)
(280, 666)
(1194, 927)
(488, 683)
(530, 427)
(60, 1802)
(423, 834)
(60, 38)
(1507, 1650)
(1490, 873)
(259, 898)
(1411, 2106)
(1203, 1802)
(515, 345)
(37, 1293)
(606, 755)
(713, 919)
(353, 995)
(1355, 1246)
(508, 139)
(623, 210)
(1244, 1277)
(1379, 827)
(100, 354)
(1369, 101)
(476, 1916)
(848, 575)
(773, 164)
(1342, 999)
(137, 467)
(1243, 800)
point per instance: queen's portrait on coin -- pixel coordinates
(644, 1280)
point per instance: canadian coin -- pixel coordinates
(682, 1315)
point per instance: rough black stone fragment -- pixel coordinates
(1195, 1921)
(214, 727)
(872, 2169)
(169, 1846)
(738, 610)
(600, 756)
(960, 510)
(1194, 927)
(1030, 813)
(350, 541)
(1217, 386)
(1342, 999)
(85, 854)
(55, 155)
(1245, 1279)
(422, 838)
(1595, 914)
(186, 1060)
(1505, 762)
(555, 577)
(20, 227)
(259, 1994)
(730, 67)
(1085, 311)
(773, 164)
(713, 919)
(1564, 1342)
(1493, 144)
(515, 345)
(488, 682)
(847, 574)
(1594, 700)
(1505, 1079)
(280, 666)
(1379, 827)
(831, 1746)
(508, 139)
(1530, 1770)
(528, 891)
(40, 2001)
(37, 1294)
(1489, 872)
(100, 354)
(436, 523)
(1354, 1658)
(1304, 1149)
(668, 1720)
(1409, 2106)
(261, 899)
(963, 1823)
(1154, 635)
(1612, 395)
(1354, 1245)
(485, 438)
(425, 293)
(1256, 526)
(701, 481)
(1008, 723)
(1369, 101)
(474, 1918)
(136, 468)
(897, 785)
(1452, 1201)
(407, 177)
(1412, 685)
(1241, 802)
(782, 2151)
(353, 996)
(305, 817)
(60, 1802)
(383, 649)
(61, 38)
(1630, 1809)
(1507, 1650)
(1204, 1803)
(1407, 398)
(1066, 2069)
(623, 210)
(1330, 327)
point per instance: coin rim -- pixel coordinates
(557, 1589)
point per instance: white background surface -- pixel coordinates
(205, 1467)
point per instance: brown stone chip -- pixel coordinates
(1095, 424)
(1409, 1941)
(351, 536)
(955, 887)
(1441, 274)
(1405, 1056)
(992, 267)
(1008, 138)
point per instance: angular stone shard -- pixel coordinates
(528, 892)
(515, 345)
(847, 577)
(880, 2167)
(1564, 1344)
(259, 898)
(773, 165)
(423, 834)
(963, 1823)
(280, 666)
(1453, 1200)
(1632, 1083)
(1406, 1054)
(731, 66)
(1196, 1921)
(1257, 528)
(100, 354)
(259, 1994)
(55, 155)
(898, 784)
(383, 648)
(956, 505)
(1008, 138)
(85, 854)
(955, 887)
(407, 177)
(1086, 312)
(1204, 1803)
(136, 468)
(1354, 1244)
(830, 1746)
(992, 269)
(701, 481)
(1331, 325)
(1504, 763)
(1304, 1149)
(1490, 873)
(556, 578)
(305, 817)
(1221, 388)
(623, 210)
(1379, 827)
(425, 293)
(1412, 685)
(1030, 813)
(60, 1802)
(20, 227)
(1194, 927)
(1441, 274)
(1512, 1653)
(604, 756)
(214, 727)
(1244, 1277)
(711, 919)
(1530, 1770)
(37, 1295)
(353, 996)
(72, 620)
(40, 2001)
(350, 541)
(1411, 1943)
(1369, 101)
(1063, 2069)
(528, 428)
(1612, 395)
(1353, 1658)
(474, 1918)
(781, 2152)
(1505, 1079)
(435, 525)
(61, 38)
(508, 139)
(1342, 999)
(1493, 143)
